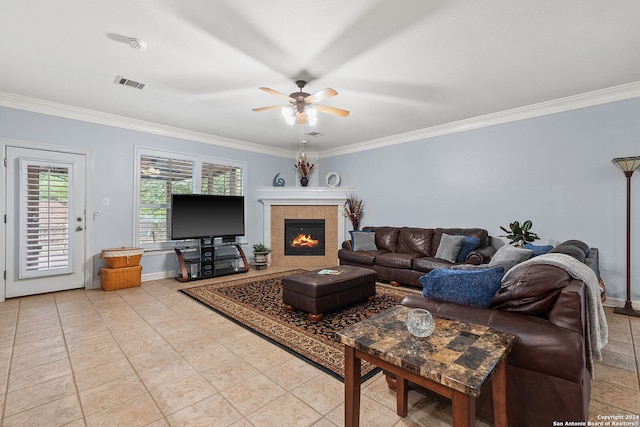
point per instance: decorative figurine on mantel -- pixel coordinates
(278, 181)
(304, 169)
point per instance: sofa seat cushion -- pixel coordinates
(469, 287)
(358, 257)
(396, 260)
(426, 264)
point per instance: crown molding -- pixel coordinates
(589, 99)
(75, 113)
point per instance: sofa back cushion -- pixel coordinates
(532, 290)
(415, 240)
(480, 233)
(386, 237)
(574, 248)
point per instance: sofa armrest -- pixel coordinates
(571, 301)
(480, 255)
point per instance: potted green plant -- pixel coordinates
(261, 254)
(518, 234)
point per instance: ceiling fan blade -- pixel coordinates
(273, 107)
(301, 118)
(320, 96)
(276, 93)
(332, 110)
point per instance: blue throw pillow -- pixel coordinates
(537, 250)
(468, 244)
(468, 287)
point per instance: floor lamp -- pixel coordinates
(628, 165)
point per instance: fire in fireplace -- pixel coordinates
(304, 237)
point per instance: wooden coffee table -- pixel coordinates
(454, 362)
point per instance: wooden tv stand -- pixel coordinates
(210, 260)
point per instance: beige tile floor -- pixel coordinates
(149, 356)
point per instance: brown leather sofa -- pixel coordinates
(406, 253)
(548, 372)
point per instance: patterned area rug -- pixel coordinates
(256, 303)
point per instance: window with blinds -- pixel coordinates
(221, 180)
(44, 217)
(164, 175)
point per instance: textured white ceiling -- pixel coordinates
(399, 66)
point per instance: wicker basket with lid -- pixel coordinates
(122, 257)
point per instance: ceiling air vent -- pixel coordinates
(131, 83)
(316, 134)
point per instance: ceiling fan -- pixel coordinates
(302, 106)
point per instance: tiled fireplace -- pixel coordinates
(305, 208)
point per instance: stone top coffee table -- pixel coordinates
(454, 362)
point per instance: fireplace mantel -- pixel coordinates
(309, 196)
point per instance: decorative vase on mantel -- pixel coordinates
(304, 169)
(354, 210)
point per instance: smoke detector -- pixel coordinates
(138, 44)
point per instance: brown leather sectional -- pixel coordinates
(548, 372)
(406, 253)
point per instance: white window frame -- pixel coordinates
(197, 161)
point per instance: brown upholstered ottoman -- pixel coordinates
(316, 293)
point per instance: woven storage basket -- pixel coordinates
(120, 278)
(122, 257)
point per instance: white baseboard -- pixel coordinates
(159, 276)
(145, 278)
(618, 302)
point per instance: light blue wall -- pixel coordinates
(555, 170)
(112, 158)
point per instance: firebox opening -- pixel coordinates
(304, 237)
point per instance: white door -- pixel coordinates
(45, 249)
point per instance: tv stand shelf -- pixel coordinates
(210, 260)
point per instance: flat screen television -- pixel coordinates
(194, 216)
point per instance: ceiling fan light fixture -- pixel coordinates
(312, 115)
(303, 107)
(289, 115)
